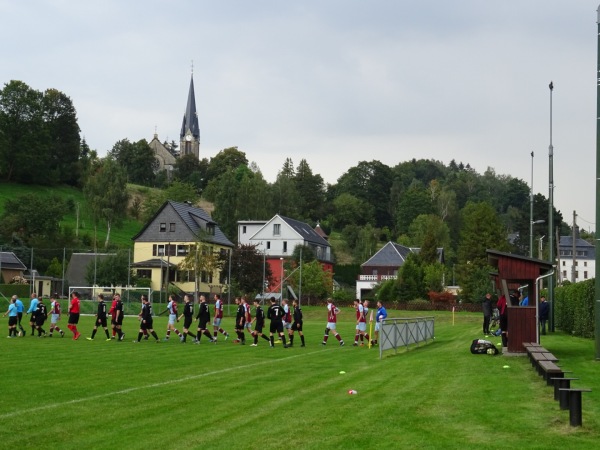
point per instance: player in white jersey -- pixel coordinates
(172, 308)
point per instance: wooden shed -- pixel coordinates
(513, 271)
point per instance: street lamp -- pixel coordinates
(551, 216)
(531, 224)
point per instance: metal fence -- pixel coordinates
(404, 332)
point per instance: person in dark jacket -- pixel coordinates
(544, 312)
(486, 306)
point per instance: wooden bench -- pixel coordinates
(548, 370)
(574, 404)
(561, 383)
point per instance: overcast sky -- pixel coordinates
(334, 82)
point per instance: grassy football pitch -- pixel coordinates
(60, 393)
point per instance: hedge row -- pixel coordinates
(574, 308)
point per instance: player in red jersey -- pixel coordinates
(247, 316)
(361, 323)
(74, 315)
(332, 312)
(217, 318)
(113, 314)
(172, 308)
(55, 317)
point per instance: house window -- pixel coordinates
(162, 227)
(243, 229)
(158, 250)
(563, 263)
(210, 228)
(171, 227)
(144, 273)
(183, 250)
(276, 229)
(585, 275)
(284, 246)
(268, 245)
(206, 277)
(564, 274)
(585, 264)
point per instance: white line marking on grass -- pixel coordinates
(147, 386)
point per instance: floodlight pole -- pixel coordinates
(551, 216)
(597, 282)
(531, 212)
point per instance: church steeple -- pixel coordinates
(190, 130)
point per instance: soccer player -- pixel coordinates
(217, 318)
(113, 314)
(259, 324)
(361, 323)
(12, 318)
(74, 315)
(55, 317)
(297, 325)
(188, 317)
(287, 316)
(147, 320)
(101, 319)
(172, 308)
(240, 318)
(32, 309)
(381, 314)
(275, 314)
(20, 309)
(41, 315)
(247, 316)
(118, 314)
(332, 312)
(203, 319)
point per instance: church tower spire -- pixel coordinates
(190, 130)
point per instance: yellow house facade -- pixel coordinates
(182, 246)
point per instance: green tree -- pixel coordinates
(414, 202)
(350, 210)
(286, 199)
(30, 216)
(247, 266)
(316, 282)
(61, 137)
(106, 195)
(181, 192)
(23, 158)
(137, 158)
(311, 190)
(55, 269)
(112, 270)
(410, 283)
(227, 159)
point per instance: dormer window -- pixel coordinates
(162, 227)
(276, 229)
(210, 228)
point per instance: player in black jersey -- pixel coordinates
(275, 314)
(240, 321)
(203, 319)
(259, 324)
(188, 315)
(147, 320)
(297, 325)
(101, 319)
(41, 315)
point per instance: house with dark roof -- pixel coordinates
(278, 237)
(77, 269)
(384, 265)
(577, 258)
(10, 266)
(165, 241)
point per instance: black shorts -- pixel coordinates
(258, 327)
(73, 318)
(187, 322)
(276, 327)
(297, 326)
(33, 318)
(203, 324)
(39, 321)
(119, 320)
(101, 322)
(239, 323)
(12, 321)
(148, 325)
(112, 321)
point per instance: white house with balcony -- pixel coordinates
(384, 265)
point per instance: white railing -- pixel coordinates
(376, 277)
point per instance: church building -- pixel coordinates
(190, 130)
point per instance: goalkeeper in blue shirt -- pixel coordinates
(381, 314)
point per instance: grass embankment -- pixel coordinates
(103, 394)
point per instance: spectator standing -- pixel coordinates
(544, 313)
(486, 306)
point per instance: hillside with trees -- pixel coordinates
(418, 203)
